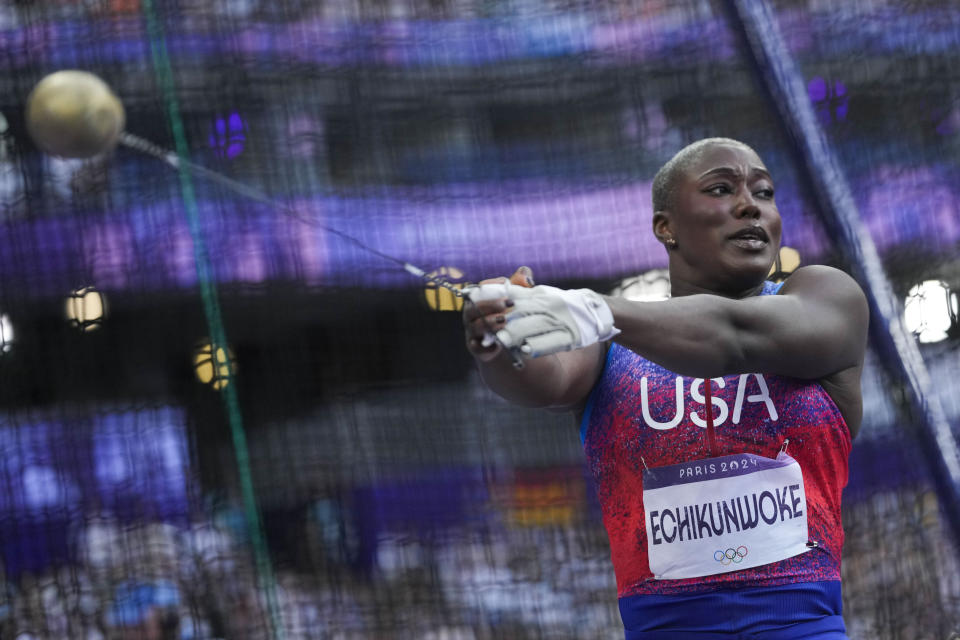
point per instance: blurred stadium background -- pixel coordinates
(336, 469)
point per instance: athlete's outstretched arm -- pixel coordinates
(815, 327)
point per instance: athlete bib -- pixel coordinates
(723, 514)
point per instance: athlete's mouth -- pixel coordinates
(756, 234)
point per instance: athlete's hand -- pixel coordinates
(546, 320)
(482, 318)
(533, 321)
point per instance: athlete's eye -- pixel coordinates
(766, 194)
(718, 189)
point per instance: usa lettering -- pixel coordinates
(709, 519)
(721, 409)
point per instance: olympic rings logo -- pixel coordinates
(731, 555)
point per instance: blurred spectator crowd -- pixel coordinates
(159, 581)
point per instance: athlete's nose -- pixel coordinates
(746, 206)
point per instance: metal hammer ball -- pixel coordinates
(74, 114)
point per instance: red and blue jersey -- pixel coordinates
(640, 414)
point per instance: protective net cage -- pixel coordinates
(221, 420)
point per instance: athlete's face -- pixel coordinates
(725, 223)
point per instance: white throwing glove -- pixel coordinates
(547, 320)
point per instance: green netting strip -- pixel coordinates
(211, 307)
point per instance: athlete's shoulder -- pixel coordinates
(823, 281)
(821, 273)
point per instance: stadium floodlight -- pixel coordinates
(441, 298)
(214, 365)
(930, 310)
(6, 333)
(86, 308)
(650, 286)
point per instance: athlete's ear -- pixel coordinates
(661, 227)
